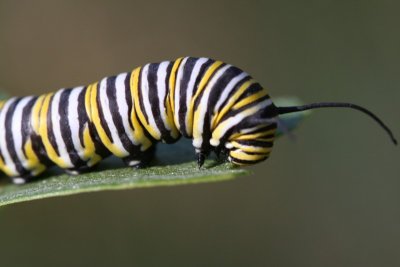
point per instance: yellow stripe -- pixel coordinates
(43, 126)
(169, 105)
(89, 149)
(135, 93)
(33, 163)
(87, 101)
(202, 85)
(219, 131)
(138, 132)
(172, 82)
(252, 136)
(170, 119)
(232, 100)
(251, 149)
(250, 99)
(89, 152)
(5, 168)
(191, 113)
(2, 103)
(237, 154)
(36, 113)
(97, 123)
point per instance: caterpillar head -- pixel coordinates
(251, 146)
(249, 139)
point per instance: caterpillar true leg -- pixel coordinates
(140, 160)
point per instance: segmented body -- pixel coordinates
(218, 105)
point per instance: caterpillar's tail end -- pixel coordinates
(284, 110)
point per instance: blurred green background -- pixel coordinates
(331, 198)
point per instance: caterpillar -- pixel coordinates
(219, 106)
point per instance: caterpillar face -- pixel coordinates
(251, 138)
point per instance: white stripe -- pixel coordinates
(108, 118)
(73, 120)
(178, 88)
(203, 105)
(162, 91)
(228, 89)
(146, 101)
(3, 142)
(190, 90)
(56, 121)
(235, 120)
(215, 142)
(17, 129)
(123, 109)
(249, 130)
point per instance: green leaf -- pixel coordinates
(174, 165)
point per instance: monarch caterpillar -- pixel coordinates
(219, 106)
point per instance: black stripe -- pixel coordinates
(262, 129)
(234, 90)
(103, 121)
(251, 90)
(221, 84)
(141, 103)
(194, 89)
(152, 78)
(206, 134)
(245, 124)
(83, 117)
(248, 162)
(128, 98)
(66, 131)
(100, 149)
(187, 73)
(9, 134)
(50, 133)
(216, 91)
(37, 142)
(256, 116)
(200, 96)
(169, 71)
(255, 143)
(135, 109)
(168, 90)
(115, 114)
(26, 120)
(28, 133)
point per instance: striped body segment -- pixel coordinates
(216, 104)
